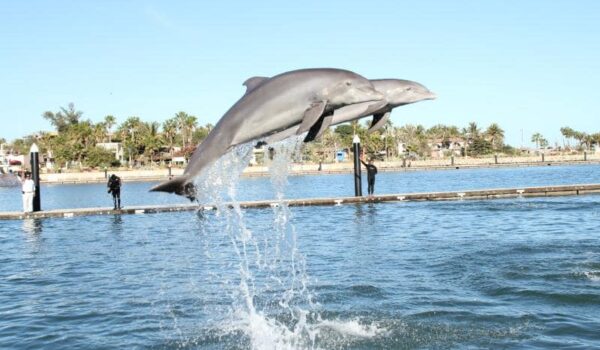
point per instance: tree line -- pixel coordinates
(76, 139)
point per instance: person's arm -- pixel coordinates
(365, 164)
(374, 167)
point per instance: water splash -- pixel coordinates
(272, 305)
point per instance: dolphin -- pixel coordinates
(271, 105)
(397, 92)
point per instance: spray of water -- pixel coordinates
(272, 306)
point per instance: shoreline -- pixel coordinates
(161, 174)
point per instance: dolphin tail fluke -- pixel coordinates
(179, 185)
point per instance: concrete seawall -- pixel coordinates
(545, 191)
(329, 168)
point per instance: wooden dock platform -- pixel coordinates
(544, 191)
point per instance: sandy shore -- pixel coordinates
(160, 174)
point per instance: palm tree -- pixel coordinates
(595, 138)
(537, 138)
(186, 124)
(170, 132)
(99, 132)
(496, 135)
(109, 122)
(582, 138)
(470, 133)
(129, 131)
(151, 139)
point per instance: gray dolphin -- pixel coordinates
(397, 92)
(271, 105)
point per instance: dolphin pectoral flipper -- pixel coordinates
(352, 112)
(252, 83)
(311, 116)
(379, 121)
(319, 128)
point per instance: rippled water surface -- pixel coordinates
(514, 273)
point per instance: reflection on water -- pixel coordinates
(117, 223)
(32, 227)
(32, 230)
(365, 213)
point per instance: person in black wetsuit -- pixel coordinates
(371, 172)
(114, 187)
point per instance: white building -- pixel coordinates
(115, 147)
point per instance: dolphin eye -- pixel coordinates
(348, 83)
(408, 88)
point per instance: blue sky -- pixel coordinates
(527, 65)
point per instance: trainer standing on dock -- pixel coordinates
(28, 190)
(371, 172)
(114, 187)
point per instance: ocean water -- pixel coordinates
(510, 273)
(308, 186)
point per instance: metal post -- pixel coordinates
(357, 172)
(495, 158)
(35, 175)
(542, 157)
(585, 155)
(169, 170)
(105, 173)
(452, 160)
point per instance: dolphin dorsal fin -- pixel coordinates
(252, 83)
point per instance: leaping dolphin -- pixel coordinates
(397, 92)
(272, 105)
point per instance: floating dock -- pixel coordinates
(544, 191)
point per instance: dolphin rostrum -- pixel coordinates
(272, 105)
(397, 92)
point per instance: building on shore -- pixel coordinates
(115, 147)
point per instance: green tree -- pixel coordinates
(583, 139)
(481, 146)
(109, 122)
(496, 135)
(345, 134)
(537, 138)
(469, 135)
(131, 138)
(169, 127)
(186, 124)
(99, 157)
(201, 133)
(595, 139)
(63, 118)
(151, 139)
